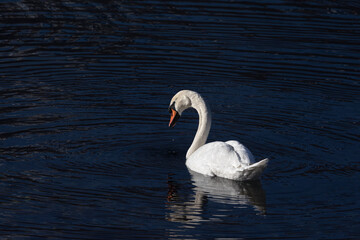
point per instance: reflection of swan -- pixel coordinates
(229, 159)
(230, 192)
(181, 210)
(216, 189)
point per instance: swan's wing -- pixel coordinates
(223, 160)
(244, 153)
(213, 159)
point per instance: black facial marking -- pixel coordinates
(172, 107)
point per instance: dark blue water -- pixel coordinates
(85, 148)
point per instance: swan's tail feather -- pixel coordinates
(254, 171)
(260, 164)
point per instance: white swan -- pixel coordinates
(229, 159)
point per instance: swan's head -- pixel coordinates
(180, 102)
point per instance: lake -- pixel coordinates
(85, 147)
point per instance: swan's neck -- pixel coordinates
(204, 125)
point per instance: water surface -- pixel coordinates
(85, 150)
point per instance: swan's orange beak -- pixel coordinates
(174, 117)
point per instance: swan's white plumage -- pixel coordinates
(232, 161)
(229, 159)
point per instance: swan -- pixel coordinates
(230, 159)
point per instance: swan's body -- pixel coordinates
(229, 159)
